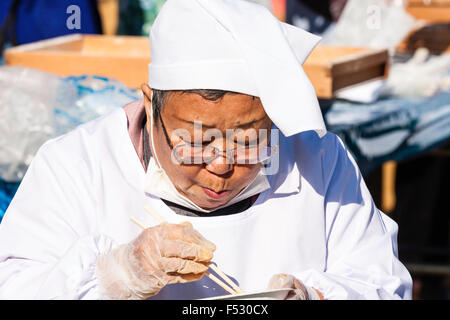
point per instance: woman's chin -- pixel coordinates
(208, 204)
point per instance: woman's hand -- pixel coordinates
(161, 255)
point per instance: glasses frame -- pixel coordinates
(217, 152)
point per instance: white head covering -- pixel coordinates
(239, 46)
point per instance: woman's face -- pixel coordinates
(209, 185)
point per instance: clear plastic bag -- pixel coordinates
(371, 23)
(27, 99)
(419, 77)
(36, 106)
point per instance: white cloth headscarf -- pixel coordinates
(239, 46)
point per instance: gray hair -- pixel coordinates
(160, 97)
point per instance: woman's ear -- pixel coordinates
(147, 91)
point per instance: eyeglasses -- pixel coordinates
(187, 153)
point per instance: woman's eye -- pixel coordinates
(247, 143)
(200, 143)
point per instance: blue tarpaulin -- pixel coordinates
(390, 128)
(7, 191)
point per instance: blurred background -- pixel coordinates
(381, 73)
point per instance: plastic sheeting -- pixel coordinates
(421, 76)
(27, 99)
(371, 23)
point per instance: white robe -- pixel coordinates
(317, 222)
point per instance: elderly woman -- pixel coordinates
(230, 148)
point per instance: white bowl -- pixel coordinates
(274, 294)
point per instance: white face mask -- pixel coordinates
(158, 183)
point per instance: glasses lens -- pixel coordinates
(189, 154)
(246, 155)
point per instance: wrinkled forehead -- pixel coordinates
(229, 111)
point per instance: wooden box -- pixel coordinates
(433, 29)
(435, 11)
(126, 58)
(434, 36)
(332, 68)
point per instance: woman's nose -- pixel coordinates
(220, 166)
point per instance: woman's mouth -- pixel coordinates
(215, 195)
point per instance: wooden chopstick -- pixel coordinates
(153, 213)
(136, 221)
(226, 278)
(211, 276)
(220, 283)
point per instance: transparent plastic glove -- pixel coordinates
(299, 292)
(161, 255)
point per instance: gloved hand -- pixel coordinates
(299, 292)
(161, 255)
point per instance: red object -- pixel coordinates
(279, 9)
